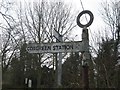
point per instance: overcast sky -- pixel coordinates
(92, 5)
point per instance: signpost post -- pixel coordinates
(85, 40)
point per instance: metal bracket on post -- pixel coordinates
(85, 59)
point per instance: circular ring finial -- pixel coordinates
(89, 23)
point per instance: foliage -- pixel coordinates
(106, 70)
(71, 76)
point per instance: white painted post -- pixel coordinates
(59, 61)
(30, 83)
(59, 65)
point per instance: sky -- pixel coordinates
(92, 5)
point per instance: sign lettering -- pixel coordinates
(55, 47)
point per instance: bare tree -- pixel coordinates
(47, 18)
(37, 23)
(108, 39)
(110, 14)
(7, 29)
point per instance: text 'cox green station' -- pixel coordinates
(53, 48)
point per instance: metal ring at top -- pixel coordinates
(89, 23)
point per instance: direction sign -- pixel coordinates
(76, 46)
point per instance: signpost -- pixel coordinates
(58, 47)
(76, 46)
(62, 47)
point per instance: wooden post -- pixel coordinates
(85, 58)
